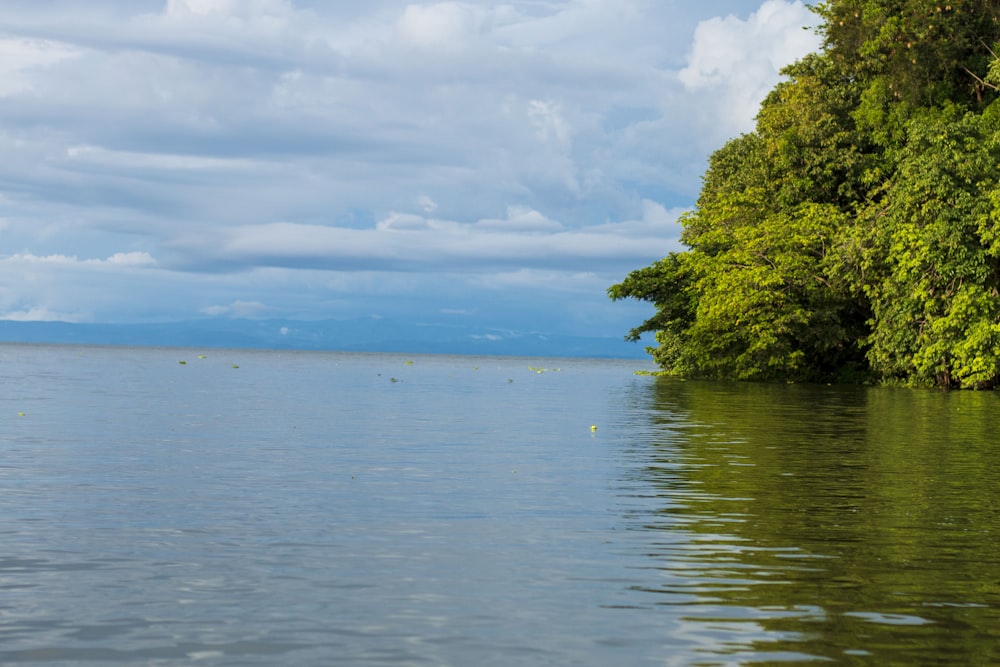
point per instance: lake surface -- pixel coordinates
(266, 508)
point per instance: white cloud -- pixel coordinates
(550, 126)
(737, 61)
(519, 219)
(130, 259)
(21, 58)
(412, 243)
(522, 219)
(426, 204)
(98, 156)
(220, 14)
(404, 221)
(39, 315)
(655, 214)
(120, 259)
(66, 288)
(184, 7)
(237, 310)
(446, 25)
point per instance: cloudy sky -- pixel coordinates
(486, 162)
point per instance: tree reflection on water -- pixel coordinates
(848, 523)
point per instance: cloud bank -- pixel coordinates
(237, 158)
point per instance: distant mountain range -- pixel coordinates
(360, 335)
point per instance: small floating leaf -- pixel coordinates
(182, 362)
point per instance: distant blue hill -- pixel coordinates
(360, 335)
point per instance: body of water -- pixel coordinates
(176, 507)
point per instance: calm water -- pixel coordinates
(317, 509)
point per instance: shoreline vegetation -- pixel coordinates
(854, 235)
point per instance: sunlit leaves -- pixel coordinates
(932, 265)
(856, 232)
(928, 52)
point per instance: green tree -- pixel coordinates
(931, 261)
(751, 299)
(766, 311)
(925, 52)
(667, 284)
(854, 232)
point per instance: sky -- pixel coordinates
(497, 164)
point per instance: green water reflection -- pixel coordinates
(860, 525)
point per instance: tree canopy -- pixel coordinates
(854, 235)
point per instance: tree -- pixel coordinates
(855, 232)
(668, 285)
(930, 254)
(928, 52)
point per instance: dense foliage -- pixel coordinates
(855, 234)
